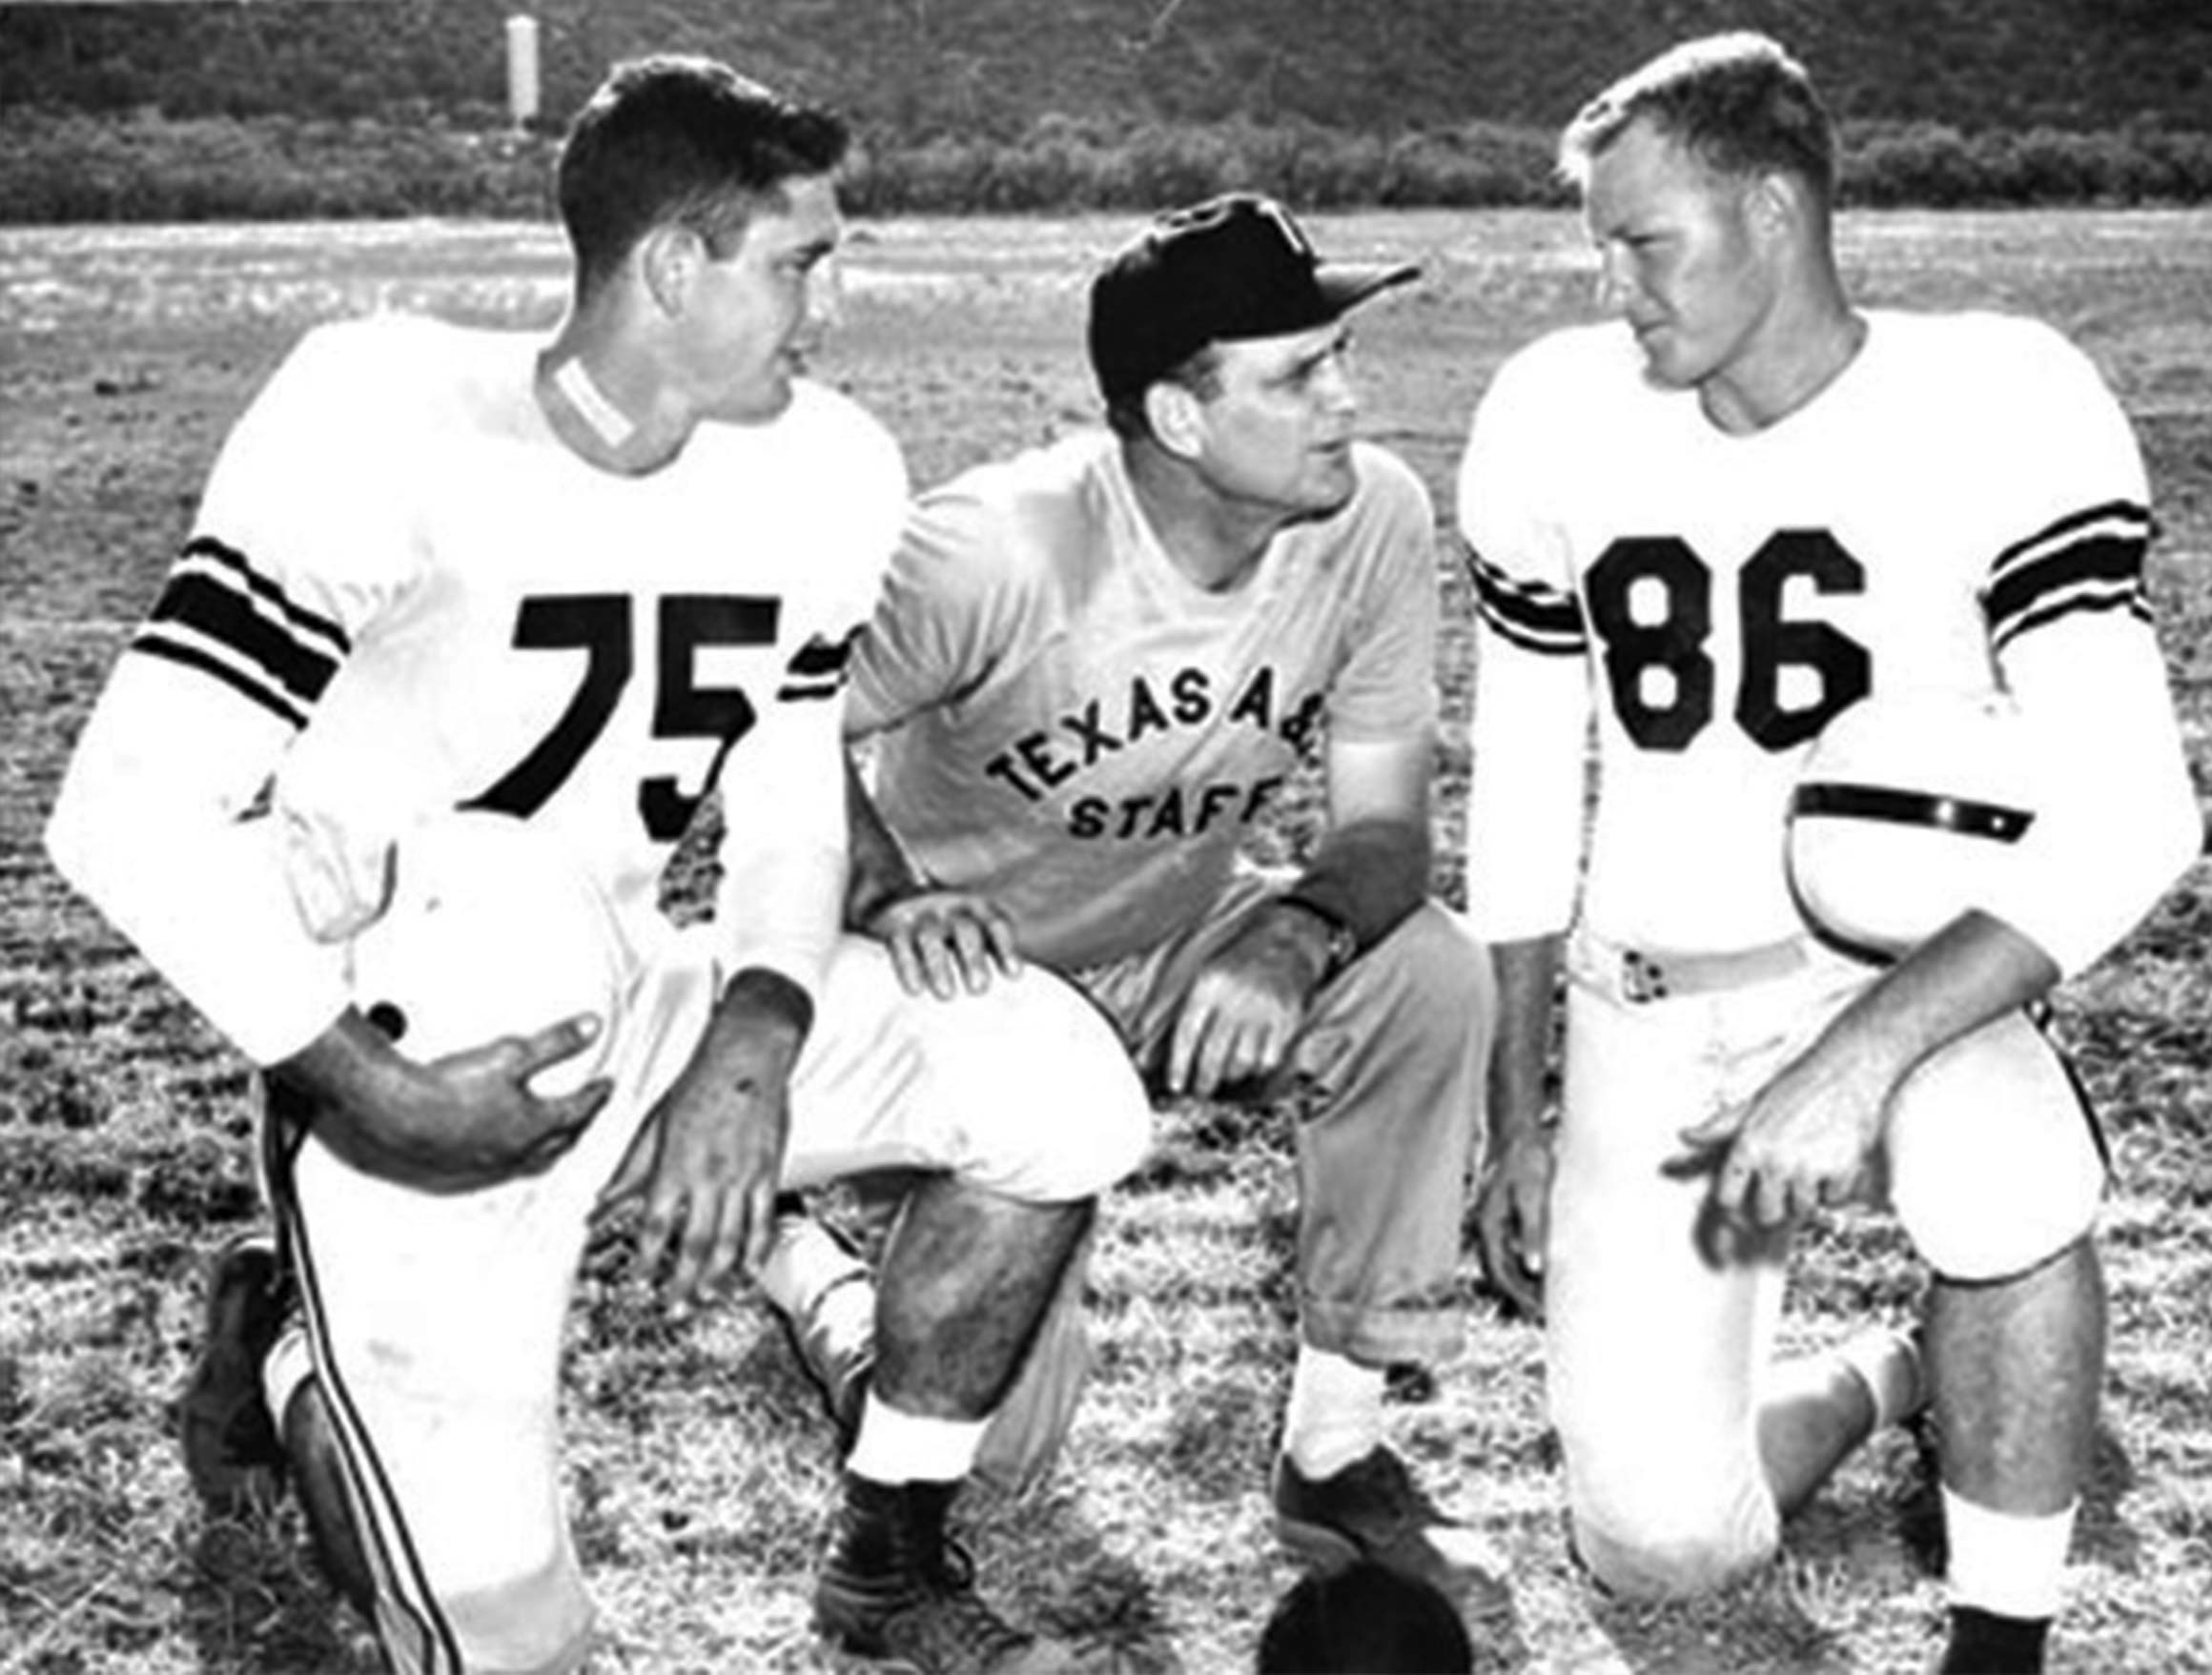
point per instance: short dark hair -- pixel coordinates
(1364, 1620)
(1737, 102)
(677, 140)
(1200, 374)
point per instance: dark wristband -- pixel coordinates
(1367, 875)
(771, 991)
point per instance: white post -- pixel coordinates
(523, 69)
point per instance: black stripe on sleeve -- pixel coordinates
(820, 657)
(230, 618)
(2087, 561)
(818, 668)
(1528, 614)
(204, 605)
(309, 624)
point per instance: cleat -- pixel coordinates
(1983, 1643)
(896, 1592)
(232, 1450)
(1372, 1510)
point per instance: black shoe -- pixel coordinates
(232, 1450)
(896, 1588)
(1983, 1643)
(1373, 1509)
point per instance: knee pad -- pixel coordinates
(2002, 1092)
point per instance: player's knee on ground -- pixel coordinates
(1049, 1106)
(1674, 1554)
(504, 1595)
(2001, 1092)
(485, 1620)
(1653, 1524)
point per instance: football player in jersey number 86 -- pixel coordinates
(1726, 516)
(569, 583)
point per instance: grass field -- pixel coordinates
(701, 1473)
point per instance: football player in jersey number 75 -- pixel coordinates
(577, 583)
(1726, 517)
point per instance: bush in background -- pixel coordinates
(59, 167)
(147, 168)
(1935, 166)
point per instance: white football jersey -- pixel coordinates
(404, 594)
(1962, 509)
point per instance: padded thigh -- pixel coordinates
(1994, 1161)
(1024, 1089)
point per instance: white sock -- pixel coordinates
(897, 1447)
(1888, 1363)
(1336, 1412)
(805, 1264)
(285, 1368)
(2005, 1563)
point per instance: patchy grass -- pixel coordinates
(700, 1472)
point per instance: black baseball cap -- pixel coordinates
(1235, 266)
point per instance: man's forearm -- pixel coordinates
(357, 1093)
(1527, 973)
(1973, 972)
(879, 872)
(1367, 876)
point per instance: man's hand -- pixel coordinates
(1806, 1138)
(943, 941)
(1513, 1214)
(701, 1174)
(1248, 1002)
(716, 1140)
(1808, 1135)
(457, 1124)
(1513, 1200)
